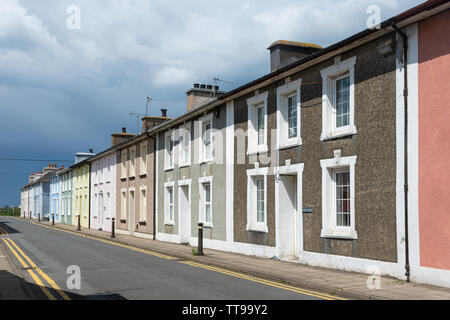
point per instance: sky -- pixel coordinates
(64, 90)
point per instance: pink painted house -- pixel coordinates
(103, 190)
(429, 147)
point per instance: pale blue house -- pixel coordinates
(55, 196)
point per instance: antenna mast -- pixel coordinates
(137, 115)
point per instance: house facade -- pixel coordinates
(135, 158)
(24, 202)
(55, 197)
(81, 189)
(66, 206)
(103, 190)
(191, 174)
(428, 151)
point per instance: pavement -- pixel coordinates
(334, 282)
(63, 264)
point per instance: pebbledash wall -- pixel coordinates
(193, 181)
(55, 193)
(297, 175)
(103, 190)
(429, 156)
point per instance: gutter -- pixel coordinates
(405, 97)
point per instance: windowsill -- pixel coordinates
(262, 148)
(339, 234)
(142, 223)
(184, 165)
(290, 144)
(338, 133)
(257, 228)
(143, 175)
(206, 161)
(123, 220)
(123, 179)
(168, 169)
(208, 225)
(169, 224)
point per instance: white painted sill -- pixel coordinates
(290, 143)
(338, 133)
(262, 148)
(339, 234)
(257, 228)
(169, 224)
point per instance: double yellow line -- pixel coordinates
(31, 268)
(263, 281)
(199, 265)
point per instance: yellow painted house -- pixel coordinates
(81, 191)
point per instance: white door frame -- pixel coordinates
(296, 169)
(181, 226)
(132, 217)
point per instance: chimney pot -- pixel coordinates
(124, 130)
(196, 85)
(209, 87)
(91, 150)
(202, 86)
(164, 113)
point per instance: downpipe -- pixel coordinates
(405, 97)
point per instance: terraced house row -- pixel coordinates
(336, 158)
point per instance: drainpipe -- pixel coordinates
(405, 97)
(154, 184)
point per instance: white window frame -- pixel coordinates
(329, 227)
(132, 173)
(108, 205)
(202, 146)
(283, 94)
(252, 219)
(169, 164)
(252, 132)
(329, 76)
(123, 163)
(143, 204)
(184, 146)
(108, 170)
(167, 220)
(202, 213)
(143, 156)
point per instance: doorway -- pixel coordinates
(289, 211)
(131, 214)
(184, 213)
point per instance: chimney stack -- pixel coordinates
(283, 52)
(51, 167)
(200, 94)
(117, 138)
(150, 122)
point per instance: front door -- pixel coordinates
(131, 213)
(288, 216)
(100, 210)
(184, 213)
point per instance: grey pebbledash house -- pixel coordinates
(305, 163)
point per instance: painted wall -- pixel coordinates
(434, 147)
(132, 224)
(192, 173)
(103, 192)
(55, 192)
(66, 197)
(80, 198)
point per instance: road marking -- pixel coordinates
(160, 255)
(263, 281)
(43, 275)
(32, 274)
(194, 264)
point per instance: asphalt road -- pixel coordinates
(113, 272)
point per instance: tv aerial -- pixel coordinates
(137, 116)
(150, 99)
